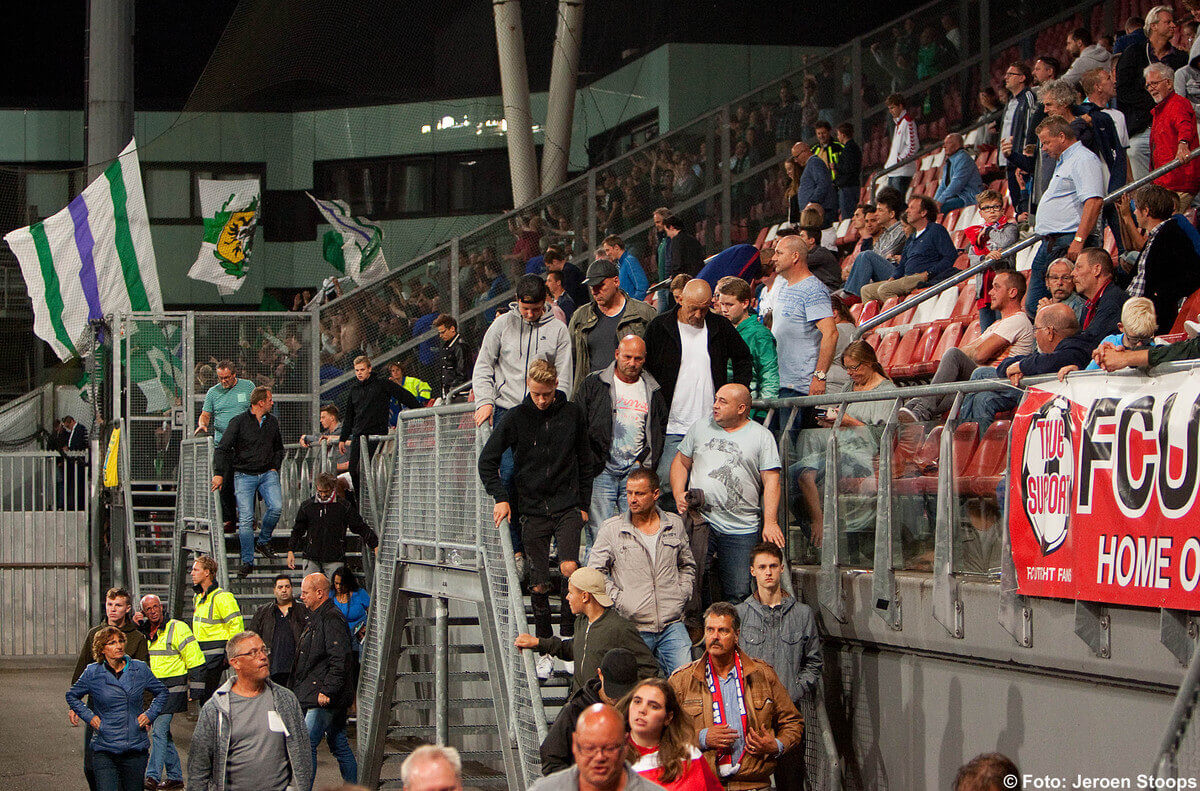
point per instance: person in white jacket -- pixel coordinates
(904, 145)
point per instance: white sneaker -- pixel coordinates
(544, 667)
(569, 667)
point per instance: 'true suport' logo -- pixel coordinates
(1048, 472)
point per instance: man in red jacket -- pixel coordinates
(1172, 134)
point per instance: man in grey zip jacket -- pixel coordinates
(649, 571)
(209, 766)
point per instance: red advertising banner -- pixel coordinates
(1104, 478)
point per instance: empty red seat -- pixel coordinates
(887, 348)
(970, 334)
(872, 339)
(869, 311)
(965, 306)
(948, 340)
(922, 352)
(856, 310)
(982, 475)
(1189, 312)
(904, 351)
(888, 304)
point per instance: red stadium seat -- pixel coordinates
(888, 304)
(948, 340)
(965, 306)
(904, 351)
(887, 348)
(983, 474)
(870, 310)
(1189, 312)
(926, 345)
(856, 311)
(872, 339)
(971, 334)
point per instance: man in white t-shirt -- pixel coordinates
(1011, 334)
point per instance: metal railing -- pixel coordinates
(1182, 738)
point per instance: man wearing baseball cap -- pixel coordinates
(598, 628)
(598, 326)
(618, 673)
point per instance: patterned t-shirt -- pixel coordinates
(631, 405)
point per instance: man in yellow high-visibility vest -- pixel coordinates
(177, 661)
(217, 618)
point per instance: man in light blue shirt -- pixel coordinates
(1070, 206)
(224, 401)
(960, 181)
(803, 323)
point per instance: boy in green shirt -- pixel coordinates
(733, 301)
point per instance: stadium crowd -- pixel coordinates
(638, 481)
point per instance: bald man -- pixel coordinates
(735, 461)
(177, 661)
(692, 352)
(627, 420)
(960, 181)
(599, 747)
(804, 326)
(323, 679)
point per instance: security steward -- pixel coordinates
(177, 661)
(217, 618)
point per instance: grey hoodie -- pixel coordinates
(1091, 57)
(508, 347)
(210, 741)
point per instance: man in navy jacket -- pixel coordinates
(928, 255)
(960, 181)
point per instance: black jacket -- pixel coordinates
(556, 750)
(320, 530)
(457, 364)
(664, 352)
(687, 255)
(324, 659)
(1075, 350)
(552, 460)
(1132, 97)
(367, 406)
(263, 623)
(1172, 271)
(1105, 317)
(849, 166)
(249, 446)
(595, 397)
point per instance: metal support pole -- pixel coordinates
(108, 125)
(455, 310)
(883, 588)
(514, 87)
(947, 604)
(441, 668)
(591, 241)
(829, 585)
(726, 153)
(560, 107)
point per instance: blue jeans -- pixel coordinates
(508, 468)
(868, 267)
(987, 317)
(119, 771)
(1050, 248)
(672, 647)
(163, 754)
(608, 499)
(729, 556)
(331, 723)
(670, 447)
(847, 201)
(981, 408)
(950, 204)
(245, 486)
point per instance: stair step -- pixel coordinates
(455, 703)
(455, 675)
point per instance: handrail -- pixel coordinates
(970, 272)
(929, 148)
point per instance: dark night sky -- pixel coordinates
(285, 55)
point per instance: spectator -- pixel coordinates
(559, 298)
(985, 134)
(1086, 55)
(1060, 281)
(324, 674)
(781, 632)
(849, 171)
(1172, 134)
(632, 275)
(690, 351)
(432, 767)
(600, 628)
(1010, 336)
(803, 323)
(223, 402)
(616, 675)
(216, 617)
(960, 181)
(662, 254)
(815, 188)
(826, 147)
(988, 772)
(1102, 297)
(353, 601)
(1135, 331)
(115, 684)
(1017, 128)
(746, 741)
(662, 742)
(1045, 69)
(599, 325)
(788, 119)
(572, 278)
(928, 256)
(419, 388)
(733, 301)
(598, 745)
(687, 254)
(677, 283)
(1110, 136)
(1133, 98)
(739, 260)
(648, 569)
(251, 452)
(889, 236)
(456, 355)
(320, 529)
(553, 482)
(736, 463)
(279, 624)
(176, 661)
(1167, 269)
(237, 744)
(1069, 207)
(367, 406)
(330, 424)
(627, 418)
(1113, 358)
(904, 145)
(1135, 35)
(821, 262)
(995, 234)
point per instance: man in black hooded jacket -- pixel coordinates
(366, 412)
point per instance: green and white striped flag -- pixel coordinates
(230, 210)
(355, 245)
(93, 258)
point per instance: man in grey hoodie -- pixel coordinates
(250, 735)
(515, 339)
(1087, 55)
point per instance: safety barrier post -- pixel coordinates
(947, 605)
(829, 586)
(883, 584)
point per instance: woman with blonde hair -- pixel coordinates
(662, 741)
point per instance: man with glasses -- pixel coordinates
(598, 744)
(224, 401)
(250, 735)
(1017, 126)
(1133, 96)
(1172, 134)
(598, 326)
(1060, 282)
